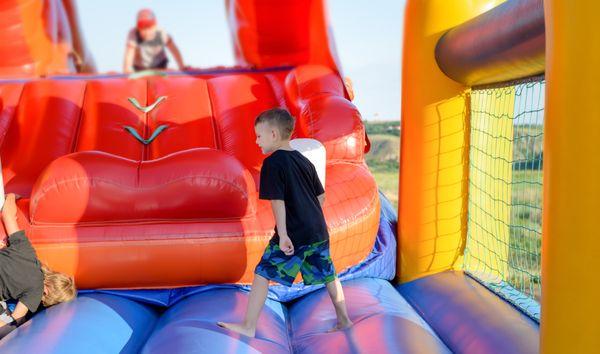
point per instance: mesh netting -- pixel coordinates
(503, 249)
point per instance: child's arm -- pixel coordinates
(9, 214)
(20, 311)
(18, 316)
(176, 54)
(285, 243)
(128, 61)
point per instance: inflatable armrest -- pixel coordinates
(315, 96)
(337, 124)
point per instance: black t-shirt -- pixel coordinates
(291, 177)
(21, 276)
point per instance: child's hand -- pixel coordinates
(285, 243)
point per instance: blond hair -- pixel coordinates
(60, 287)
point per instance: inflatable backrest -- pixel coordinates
(42, 129)
(185, 109)
(236, 101)
(106, 112)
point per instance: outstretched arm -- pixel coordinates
(20, 311)
(18, 316)
(176, 54)
(128, 60)
(9, 214)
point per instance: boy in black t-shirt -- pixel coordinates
(301, 240)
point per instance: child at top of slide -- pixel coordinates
(146, 45)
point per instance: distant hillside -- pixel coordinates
(383, 127)
(385, 144)
(385, 152)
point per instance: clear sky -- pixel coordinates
(367, 33)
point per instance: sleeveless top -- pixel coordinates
(149, 54)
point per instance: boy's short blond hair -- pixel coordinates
(279, 119)
(61, 287)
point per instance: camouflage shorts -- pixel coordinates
(313, 261)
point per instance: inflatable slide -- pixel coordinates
(145, 187)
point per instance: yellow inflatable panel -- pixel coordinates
(434, 154)
(571, 242)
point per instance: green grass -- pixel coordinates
(387, 181)
(524, 257)
(383, 158)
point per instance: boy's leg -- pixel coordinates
(256, 300)
(275, 265)
(317, 268)
(334, 288)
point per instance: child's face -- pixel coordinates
(266, 137)
(148, 33)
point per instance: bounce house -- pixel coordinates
(144, 187)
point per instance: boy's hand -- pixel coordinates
(285, 243)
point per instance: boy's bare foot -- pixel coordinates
(340, 326)
(239, 328)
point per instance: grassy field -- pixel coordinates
(524, 257)
(383, 159)
(525, 224)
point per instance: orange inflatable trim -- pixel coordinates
(271, 33)
(39, 38)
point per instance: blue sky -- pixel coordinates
(367, 33)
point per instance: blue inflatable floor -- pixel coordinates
(104, 323)
(184, 320)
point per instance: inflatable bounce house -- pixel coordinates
(144, 187)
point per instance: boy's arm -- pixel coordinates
(130, 46)
(9, 214)
(10, 225)
(20, 311)
(128, 61)
(278, 207)
(176, 54)
(285, 243)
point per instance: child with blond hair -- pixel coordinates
(23, 277)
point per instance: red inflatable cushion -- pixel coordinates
(336, 123)
(94, 186)
(307, 81)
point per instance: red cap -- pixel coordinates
(145, 19)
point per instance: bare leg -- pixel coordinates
(258, 295)
(336, 294)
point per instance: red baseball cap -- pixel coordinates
(145, 19)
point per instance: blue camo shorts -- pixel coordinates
(312, 261)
